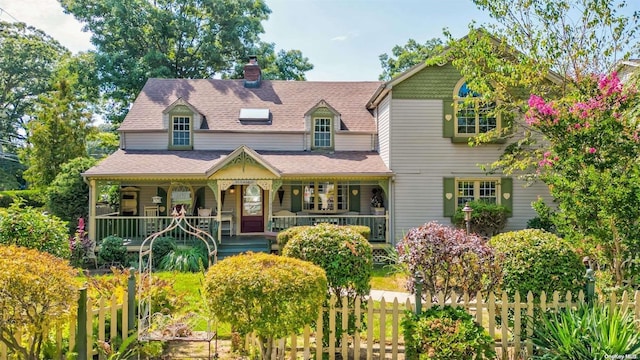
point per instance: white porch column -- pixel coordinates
(93, 195)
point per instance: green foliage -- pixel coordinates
(27, 60)
(445, 333)
(486, 219)
(449, 260)
(192, 259)
(58, 133)
(347, 259)
(161, 247)
(345, 256)
(588, 332)
(535, 260)
(284, 236)
(10, 169)
(544, 220)
(532, 49)
(405, 57)
(134, 43)
(272, 295)
(591, 166)
(283, 65)
(112, 251)
(32, 198)
(30, 228)
(68, 195)
(48, 283)
(166, 300)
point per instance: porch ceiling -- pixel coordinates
(142, 164)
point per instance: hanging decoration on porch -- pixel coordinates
(154, 326)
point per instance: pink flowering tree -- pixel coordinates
(592, 167)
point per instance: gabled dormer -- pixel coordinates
(322, 122)
(180, 119)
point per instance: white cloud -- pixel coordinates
(340, 38)
(48, 16)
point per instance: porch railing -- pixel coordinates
(377, 223)
(134, 229)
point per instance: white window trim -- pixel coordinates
(476, 188)
(477, 101)
(172, 131)
(313, 132)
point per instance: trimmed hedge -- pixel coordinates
(535, 260)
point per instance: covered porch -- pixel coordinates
(241, 195)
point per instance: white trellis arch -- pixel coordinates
(145, 267)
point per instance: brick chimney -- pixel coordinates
(252, 73)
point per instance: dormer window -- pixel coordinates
(473, 115)
(181, 132)
(322, 122)
(322, 133)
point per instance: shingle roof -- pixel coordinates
(125, 163)
(220, 102)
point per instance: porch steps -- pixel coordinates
(241, 244)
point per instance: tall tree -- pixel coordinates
(27, 58)
(404, 57)
(60, 128)
(544, 47)
(139, 39)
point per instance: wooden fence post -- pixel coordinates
(131, 300)
(81, 339)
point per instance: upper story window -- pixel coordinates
(181, 131)
(322, 133)
(473, 116)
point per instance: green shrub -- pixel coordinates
(586, 333)
(445, 333)
(486, 219)
(363, 230)
(191, 259)
(286, 235)
(38, 291)
(544, 220)
(32, 198)
(68, 194)
(161, 247)
(113, 251)
(273, 296)
(30, 228)
(345, 256)
(535, 260)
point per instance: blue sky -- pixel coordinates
(342, 38)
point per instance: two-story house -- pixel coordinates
(250, 157)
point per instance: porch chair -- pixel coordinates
(90, 256)
(151, 221)
(204, 219)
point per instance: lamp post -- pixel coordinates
(467, 216)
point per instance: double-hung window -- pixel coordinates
(325, 196)
(322, 133)
(473, 116)
(181, 131)
(486, 190)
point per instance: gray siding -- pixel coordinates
(145, 141)
(420, 158)
(384, 114)
(256, 141)
(353, 142)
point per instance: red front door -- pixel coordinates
(252, 219)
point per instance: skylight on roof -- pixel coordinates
(261, 115)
